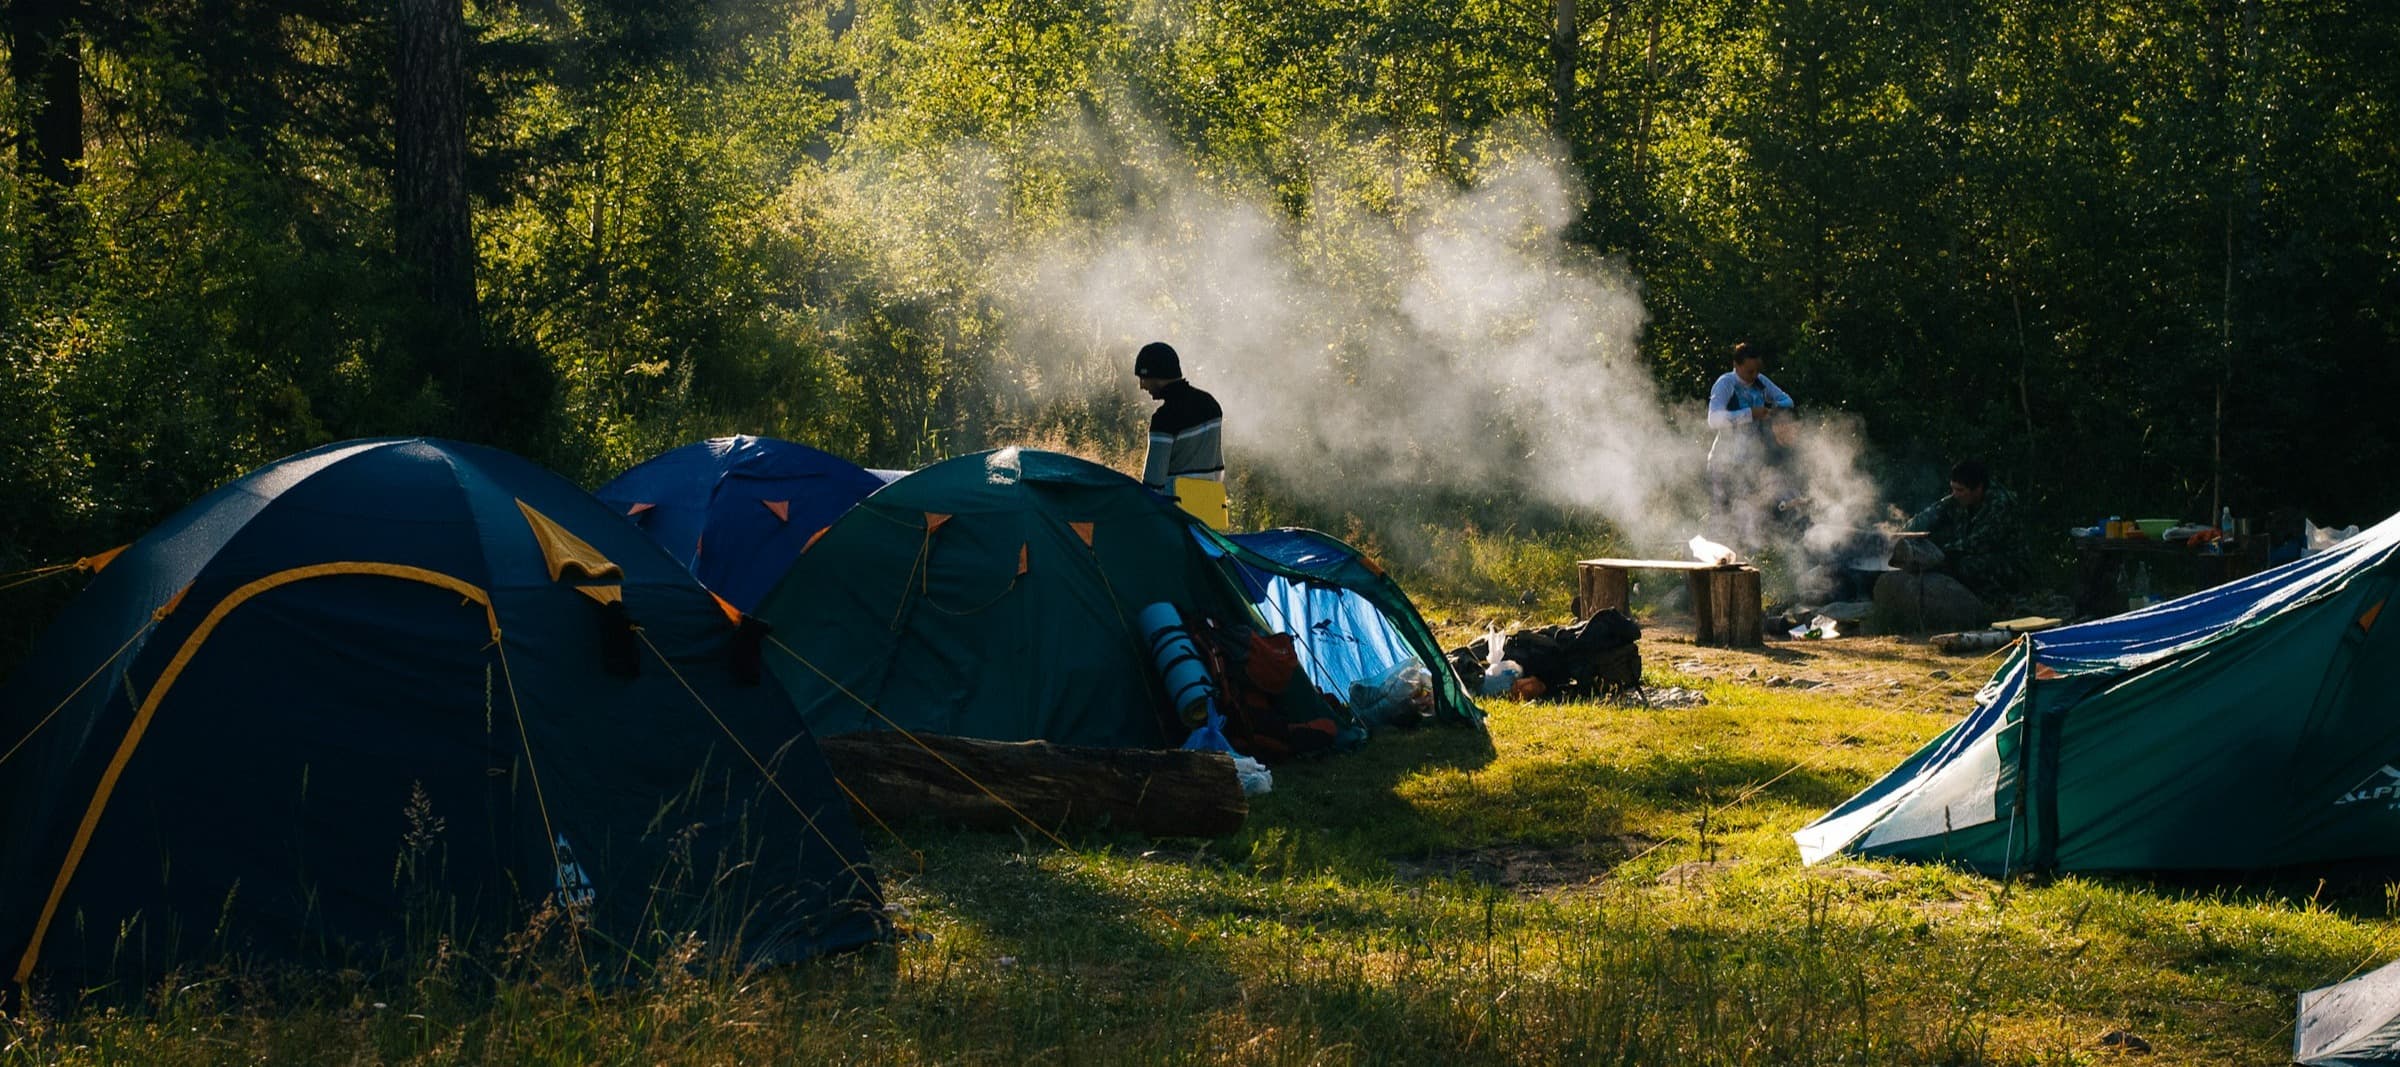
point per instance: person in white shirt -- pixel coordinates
(1750, 414)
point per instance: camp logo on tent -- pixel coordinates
(2368, 790)
(575, 890)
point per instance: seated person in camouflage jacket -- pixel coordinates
(1976, 529)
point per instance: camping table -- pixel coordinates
(1726, 608)
(2098, 562)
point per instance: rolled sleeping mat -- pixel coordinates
(1189, 691)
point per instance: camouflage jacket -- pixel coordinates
(1982, 540)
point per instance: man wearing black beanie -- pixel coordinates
(1187, 431)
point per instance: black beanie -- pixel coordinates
(1157, 360)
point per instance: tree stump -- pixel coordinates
(1726, 607)
(975, 783)
(1599, 586)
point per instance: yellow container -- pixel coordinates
(1205, 499)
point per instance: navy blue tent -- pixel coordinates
(386, 690)
(738, 510)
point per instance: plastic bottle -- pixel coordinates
(1501, 678)
(2141, 586)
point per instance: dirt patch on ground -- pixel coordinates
(1888, 672)
(1526, 869)
(1687, 875)
(1868, 875)
(1879, 672)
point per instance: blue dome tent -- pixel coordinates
(738, 510)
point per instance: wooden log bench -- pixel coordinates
(1726, 608)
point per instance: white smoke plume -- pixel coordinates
(1453, 341)
(1462, 342)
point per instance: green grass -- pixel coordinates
(1597, 884)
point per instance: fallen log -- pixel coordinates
(1159, 792)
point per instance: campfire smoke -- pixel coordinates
(1457, 341)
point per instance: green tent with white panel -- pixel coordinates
(2252, 725)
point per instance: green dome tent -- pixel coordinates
(391, 689)
(2247, 726)
(995, 595)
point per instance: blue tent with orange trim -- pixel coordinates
(738, 510)
(392, 689)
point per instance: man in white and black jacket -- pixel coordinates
(1187, 431)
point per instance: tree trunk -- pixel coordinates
(1564, 46)
(432, 226)
(1163, 793)
(45, 61)
(1608, 45)
(45, 66)
(2033, 457)
(1641, 124)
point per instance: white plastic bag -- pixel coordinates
(1256, 779)
(2320, 538)
(1710, 552)
(1400, 696)
(1821, 628)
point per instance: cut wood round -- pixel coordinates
(1159, 792)
(1599, 586)
(1726, 608)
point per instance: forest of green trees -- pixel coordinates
(2100, 242)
